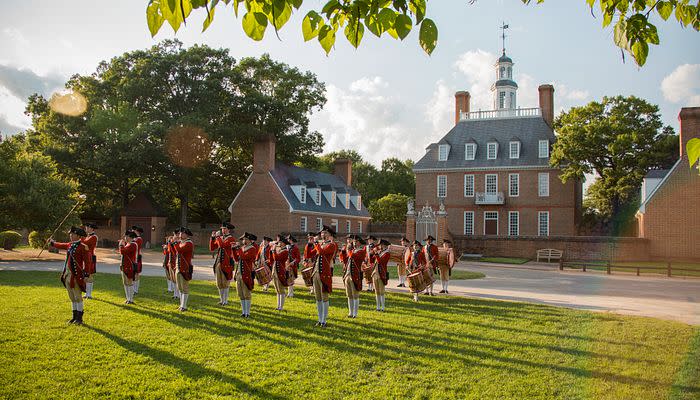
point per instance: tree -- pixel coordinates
(618, 139)
(32, 195)
(633, 31)
(390, 208)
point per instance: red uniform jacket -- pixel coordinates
(244, 257)
(352, 259)
(266, 253)
(279, 262)
(382, 262)
(129, 253)
(76, 256)
(326, 254)
(222, 245)
(183, 252)
(431, 255)
(415, 260)
(139, 262)
(91, 260)
(295, 259)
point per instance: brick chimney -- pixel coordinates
(264, 154)
(547, 103)
(689, 119)
(461, 104)
(343, 169)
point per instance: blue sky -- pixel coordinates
(387, 98)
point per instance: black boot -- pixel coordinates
(79, 320)
(75, 317)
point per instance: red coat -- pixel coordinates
(326, 253)
(353, 258)
(91, 261)
(265, 251)
(382, 262)
(222, 245)
(279, 263)
(139, 262)
(129, 253)
(76, 256)
(431, 255)
(415, 260)
(184, 251)
(295, 259)
(310, 252)
(244, 257)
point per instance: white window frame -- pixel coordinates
(334, 224)
(486, 184)
(319, 224)
(347, 201)
(443, 152)
(469, 230)
(543, 184)
(317, 197)
(512, 193)
(359, 226)
(303, 225)
(348, 226)
(471, 146)
(497, 216)
(468, 178)
(302, 196)
(543, 148)
(359, 202)
(511, 231)
(501, 99)
(333, 195)
(444, 194)
(489, 146)
(517, 150)
(540, 214)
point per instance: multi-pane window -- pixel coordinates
(302, 197)
(347, 200)
(513, 223)
(359, 226)
(501, 99)
(491, 183)
(544, 148)
(513, 185)
(348, 226)
(468, 185)
(333, 198)
(543, 184)
(543, 223)
(317, 198)
(469, 222)
(302, 226)
(319, 224)
(512, 99)
(334, 224)
(359, 202)
(442, 186)
(491, 150)
(514, 150)
(469, 151)
(443, 151)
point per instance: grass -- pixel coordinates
(443, 347)
(659, 267)
(504, 260)
(456, 274)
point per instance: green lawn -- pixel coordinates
(504, 260)
(658, 267)
(456, 274)
(442, 347)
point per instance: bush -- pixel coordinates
(37, 240)
(10, 239)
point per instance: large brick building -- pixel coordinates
(669, 215)
(490, 174)
(279, 198)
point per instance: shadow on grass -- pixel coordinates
(187, 367)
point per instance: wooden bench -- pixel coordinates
(549, 254)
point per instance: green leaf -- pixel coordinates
(386, 19)
(640, 50)
(173, 17)
(296, 3)
(403, 25)
(693, 150)
(665, 8)
(311, 25)
(326, 37)
(428, 35)
(417, 7)
(153, 17)
(372, 22)
(620, 34)
(208, 19)
(354, 31)
(282, 13)
(254, 25)
(607, 18)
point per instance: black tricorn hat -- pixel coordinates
(248, 236)
(429, 237)
(269, 239)
(446, 241)
(405, 239)
(359, 239)
(417, 242)
(130, 233)
(371, 237)
(328, 229)
(291, 239)
(77, 231)
(137, 228)
(384, 242)
(176, 230)
(311, 234)
(186, 231)
(283, 240)
(91, 225)
(228, 225)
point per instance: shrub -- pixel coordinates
(37, 240)
(9, 239)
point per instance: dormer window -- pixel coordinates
(359, 202)
(333, 194)
(492, 150)
(469, 151)
(300, 192)
(317, 197)
(514, 150)
(544, 148)
(347, 201)
(443, 152)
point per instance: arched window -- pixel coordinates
(503, 73)
(510, 73)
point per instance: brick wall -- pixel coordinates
(260, 208)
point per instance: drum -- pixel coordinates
(446, 257)
(367, 272)
(397, 252)
(428, 278)
(308, 274)
(416, 282)
(263, 275)
(290, 278)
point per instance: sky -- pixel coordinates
(387, 98)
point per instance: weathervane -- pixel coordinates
(503, 35)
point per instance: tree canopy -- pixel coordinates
(633, 29)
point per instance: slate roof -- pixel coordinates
(657, 173)
(283, 174)
(505, 82)
(529, 130)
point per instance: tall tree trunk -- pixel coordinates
(183, 209)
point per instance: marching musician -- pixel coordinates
(352, 256)
(369, 261)
(183, 250)
(73, 275)
(294, 260)
(171, 267)
(139, 257)
(221, 241)
(244, 255)
(431, 255)
(310, 253)
(264, 254)
(280, 270)
(401, 266)
(91, 261)
(380, 275)
(446, 270)
(129, 251)
(415, 261)
(326, 249)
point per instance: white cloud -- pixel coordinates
(439, 111)
(477, 67)
(12, 113)
(683, 85)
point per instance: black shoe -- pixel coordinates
(79, 320)
(446, 292)
(349, 315)
(243, 315)
(442, 291)
(317, 324)
(75, 316)
(247, 315)
(323, 325)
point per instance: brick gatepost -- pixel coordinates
(441, 216)
(411, 225)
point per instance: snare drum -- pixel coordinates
(427, 276)
(367, 272)
(263, 275)
(308, 275)
(396, 253)
(416, 282)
